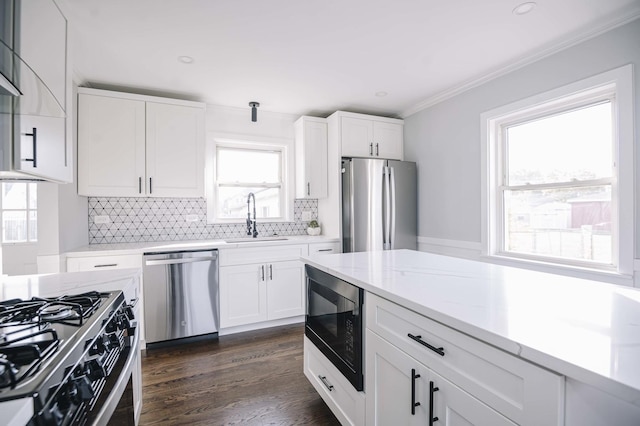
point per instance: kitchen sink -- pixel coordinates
(254, 240)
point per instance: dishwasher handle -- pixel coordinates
(175, 261)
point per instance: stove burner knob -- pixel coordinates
(98, 347)
(113, 325)
(67, 396)
(114, 341)
(94, 370)
(129, 312)
(84, 392)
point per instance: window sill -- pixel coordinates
(611, 277)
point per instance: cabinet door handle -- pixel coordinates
(432, 389)
(140, 185)
(262, 268)
(439, 351)
(271, 272)
(325, 250)
(414, 404)
(150, 187)
(377, 151)
(326, 383)
(371, 148)
(308, 188)
(34, 139)
(106, 265)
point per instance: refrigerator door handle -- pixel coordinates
(392, 220)
(386, 242)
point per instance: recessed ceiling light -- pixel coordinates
(185, 59)
(381, 94)
(524, 8)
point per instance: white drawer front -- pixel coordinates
(324, 248)
(243, 256)
(525, 393)
(346, 403)
(95, 263)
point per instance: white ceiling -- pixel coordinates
(316, 57)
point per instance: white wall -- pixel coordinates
(444, 139)
(237, 121)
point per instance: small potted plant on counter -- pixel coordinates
(313, 228)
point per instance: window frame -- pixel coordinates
(27, 210)
(615, 85)
(285, 147)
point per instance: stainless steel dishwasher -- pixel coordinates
(180, 294)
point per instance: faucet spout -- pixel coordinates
(253, 232)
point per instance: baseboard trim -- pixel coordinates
(261, 325)
(457, 248)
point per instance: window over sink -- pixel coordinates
(242, 167)
(558, 176)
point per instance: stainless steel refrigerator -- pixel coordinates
(379, 206)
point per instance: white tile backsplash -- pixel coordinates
(164, 219)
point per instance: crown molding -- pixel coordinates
(538, 54)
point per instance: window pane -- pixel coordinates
(232, 202)
(33, 226)
(33, 195)
(14, 227)
(248, 166)
(576, 145)
(565, 223)
(14, 195)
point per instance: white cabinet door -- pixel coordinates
(311, 157)
(389, 384)
(174, 150)
(387, 138)
(285, 289)
(401, 390)
(368, 137)
(41, 147)
(357, 137)
(111, 146)
(454, 407)
(243, 297)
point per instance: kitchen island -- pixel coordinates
(585, 332)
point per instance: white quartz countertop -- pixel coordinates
(51, 285)
(586, 330)
(140, 248)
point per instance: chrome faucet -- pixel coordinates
(255, 230)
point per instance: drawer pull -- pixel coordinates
(432, 389)
(106, 265)
(324, 381)
(439, 351)
(414, 404)
(325, 250)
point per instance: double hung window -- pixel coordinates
(241, 169)
(557, 183)
(19, 212)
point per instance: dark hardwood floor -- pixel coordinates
(252, 378)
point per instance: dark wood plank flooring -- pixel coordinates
(252, 378)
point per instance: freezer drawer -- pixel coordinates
(180, 294)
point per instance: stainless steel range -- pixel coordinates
(65, 360)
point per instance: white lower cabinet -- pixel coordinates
(477, 384)
(346, 403)
(261, 292)
(253, 292)
(401, 390)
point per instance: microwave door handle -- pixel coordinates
(392, 220)
(386, 242)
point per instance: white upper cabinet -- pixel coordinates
(370, 136)
(41, 145)
(175, 150)
(131, 145)
(111, 146)
(311, 157)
